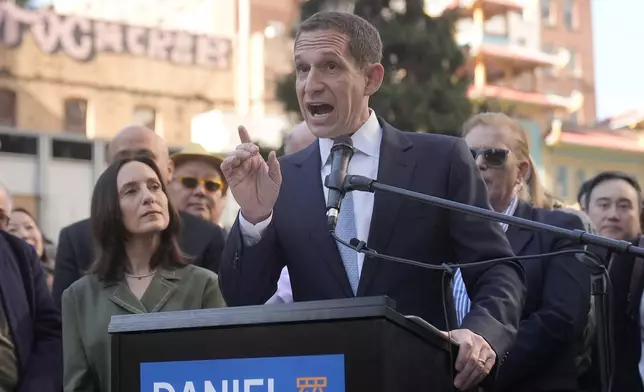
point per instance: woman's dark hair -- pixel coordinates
(43, 257)
(110, 234)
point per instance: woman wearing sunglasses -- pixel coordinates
(558, 300)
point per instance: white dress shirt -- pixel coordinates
(366, 142)
(284, 294)
(462, 300)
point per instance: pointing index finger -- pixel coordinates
(244, 137)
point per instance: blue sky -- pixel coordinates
(619, 58)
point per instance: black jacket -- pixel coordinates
(626, 339)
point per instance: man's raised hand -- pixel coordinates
(254, 182)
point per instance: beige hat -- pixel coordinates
(196, 151)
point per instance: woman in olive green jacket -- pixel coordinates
(139, 269)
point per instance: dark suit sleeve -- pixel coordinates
(44, 370)
(248, 275)
(66, 270)
(497, 291)
(214, 250)
(565, 302)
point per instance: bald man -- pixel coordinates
(135, 139)
(199, 239)
(299, 139)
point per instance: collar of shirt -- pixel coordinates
(366, 140)
(509, 210)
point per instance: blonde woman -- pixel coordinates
(556, 307)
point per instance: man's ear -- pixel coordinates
(525, 172)
(170, 171)
(374, 75)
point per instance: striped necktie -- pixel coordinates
(346, 230)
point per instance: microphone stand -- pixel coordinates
(598, 271)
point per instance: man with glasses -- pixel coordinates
(491, 156)
(198, 187)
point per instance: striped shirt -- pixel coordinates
(461, 299)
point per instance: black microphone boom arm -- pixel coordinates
(598, 272)
(365, 184)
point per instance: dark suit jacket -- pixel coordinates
(556, 308)
(627, 342)
(32, 316)
(199, 239)
(298, 237)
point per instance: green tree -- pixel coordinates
(24, 3)
(421, 91)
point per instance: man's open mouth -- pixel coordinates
(320, 109)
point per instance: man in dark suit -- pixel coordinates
(201, 240)
(31, 352)
(337, 62)
(627, 282)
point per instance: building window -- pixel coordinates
(19, 144)
(569, 14)
(561, 185)
(7, 108)
(573, 119)
(581, 177)
(71, 150)
(76, 115)
(146, 116)
(547, 12)
(572, 64)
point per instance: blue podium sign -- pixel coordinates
(316, 373)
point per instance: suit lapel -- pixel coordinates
(120, 294)
(310, 195)
(519, 237)
(395, 167)
(161, 289)
(162, 286)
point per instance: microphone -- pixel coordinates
(341, 154)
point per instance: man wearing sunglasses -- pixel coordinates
(493, 157)
(198, 187)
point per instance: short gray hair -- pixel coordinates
(365, 44)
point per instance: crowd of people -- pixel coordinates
(153, 243)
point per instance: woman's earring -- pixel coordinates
(519, 186)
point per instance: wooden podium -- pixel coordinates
(355, 345)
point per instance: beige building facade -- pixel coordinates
(77, 75)
(567, 25)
